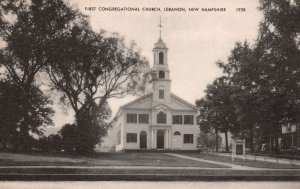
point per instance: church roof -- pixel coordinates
(160, 44)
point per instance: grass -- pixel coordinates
(170, 172)
(102, 159)
(249, 163)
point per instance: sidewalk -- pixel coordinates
(260, 158)
(233, 166)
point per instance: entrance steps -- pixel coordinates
(161, 150)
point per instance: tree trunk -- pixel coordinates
(276, 138)
(226, 141)
(251, 139)
(276, 144)
(4, 145)
(217, 141)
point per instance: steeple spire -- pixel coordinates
(160, 26)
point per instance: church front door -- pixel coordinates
(160, 139)
(143, 139)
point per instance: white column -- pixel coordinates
(152, 132)
(169, 146)
(155, 138)
(167, 139)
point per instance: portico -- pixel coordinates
(161, 138)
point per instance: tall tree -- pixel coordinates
(11, 113)
(279, 36)
(27, 28)
(217, 110)
(242, 69)
(96, 67)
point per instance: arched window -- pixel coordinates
(177, 133)
(161, 74)
(161, 118)
(161, 58)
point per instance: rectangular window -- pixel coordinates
(188, 119)
(177, 119)
(161, 94)
(132, 137)
(143, 118)
(131, 118)
(188, 138)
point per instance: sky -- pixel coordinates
(196, 40)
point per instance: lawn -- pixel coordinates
(102, 159)
(249, 163)
(158, 166)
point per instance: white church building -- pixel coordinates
(159, 120)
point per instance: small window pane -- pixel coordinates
(131, 118)
(131, 137)
(177, 133)
(188, 119)
(143, 118)
(161, 74)
(188, 138)
(177, 119)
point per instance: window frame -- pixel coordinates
(180, 120)
(147, 118)
(161, 56)
(128, 120)
(161, 94)
(191, 122)
(189, 140)
(161, 73)
(162, 119)
(131, 137)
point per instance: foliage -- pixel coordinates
(90, 127)
(27, 29)
(69, 137)
(208, 140)
(12, 100)
(97, 66)
(52, 143)
(265, 76)
(216, 108)
(10, 111)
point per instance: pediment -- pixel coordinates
(162, 106)
(178, 103)
(144, 102)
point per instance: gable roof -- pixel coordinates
(177, 103)
(183, 101)
(132, 102)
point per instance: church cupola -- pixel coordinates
(161, 80)
(160, 51)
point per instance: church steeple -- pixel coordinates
(160, 51)
(161, 80)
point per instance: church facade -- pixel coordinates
(159, 120)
